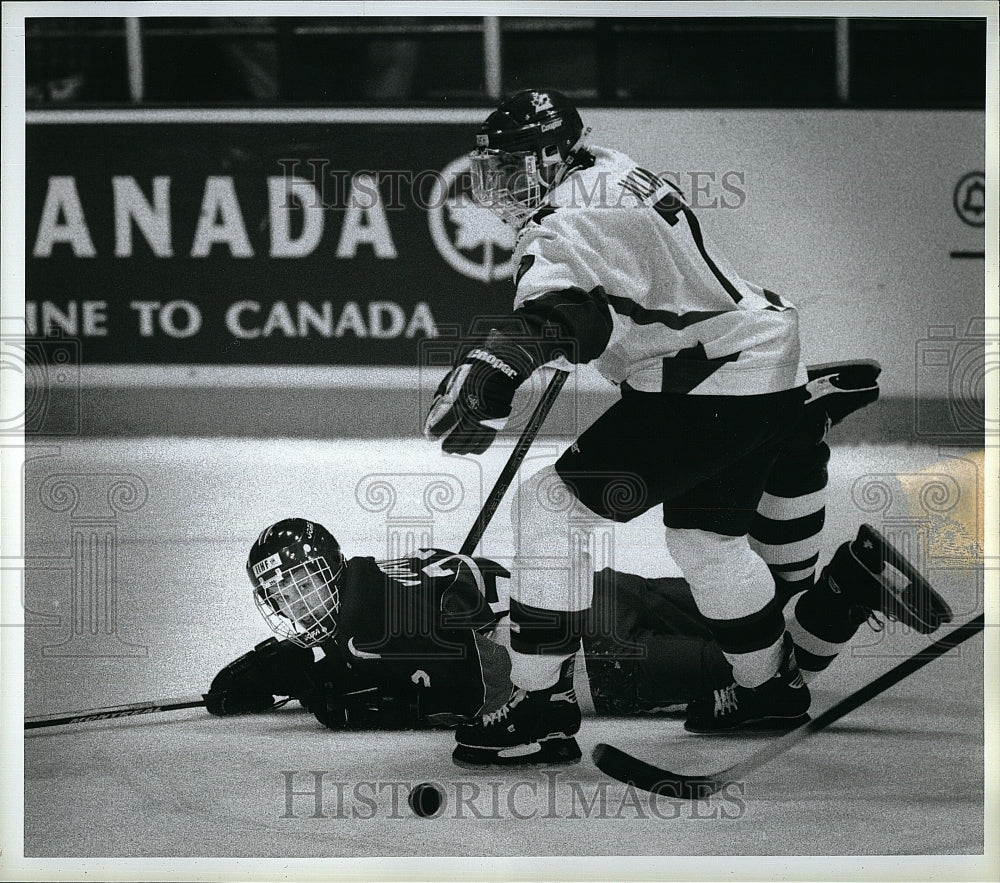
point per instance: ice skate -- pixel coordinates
(532, 728)
(876, 578)
(780, 703)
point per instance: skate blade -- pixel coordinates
(762, 725)
(549, 752)
(907, 597)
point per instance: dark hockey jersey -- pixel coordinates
(415, 625)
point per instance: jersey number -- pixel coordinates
(669, 208)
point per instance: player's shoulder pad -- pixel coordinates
(549, 225)
(599, 186)
(359, 565)
(361, 569)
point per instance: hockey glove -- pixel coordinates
(836, 390)
(473, 401)
(348, 696)
(250, 683)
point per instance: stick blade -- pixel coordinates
(628, 769)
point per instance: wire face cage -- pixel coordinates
(300, 603)
(507, 184)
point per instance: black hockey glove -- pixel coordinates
(348, 695)
(250, 683)
(473, 400)
(836, 390)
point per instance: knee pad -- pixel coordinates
(728, 579)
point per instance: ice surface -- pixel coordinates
(901, 775)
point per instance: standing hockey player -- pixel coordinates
(611, 257)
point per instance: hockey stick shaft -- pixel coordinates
(859, 697)
(517, 456)
(622, 766)
(95, 714)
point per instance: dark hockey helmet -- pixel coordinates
(295, 567)
(524, 148)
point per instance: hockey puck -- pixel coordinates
(425, 799)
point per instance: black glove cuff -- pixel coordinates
(520, 356)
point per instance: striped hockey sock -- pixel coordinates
(790, 516)
(820, 623)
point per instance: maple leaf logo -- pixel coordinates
(541, 101)
(475, 226)
(470, 238)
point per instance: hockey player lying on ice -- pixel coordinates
(414, 642)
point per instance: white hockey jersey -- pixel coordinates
(682, 319)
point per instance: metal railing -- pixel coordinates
(830, 75)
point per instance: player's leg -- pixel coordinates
(707, 535)
(646, 646)
(790, 516)
(767, 690)
(666, 652)
(787, 529)
(552, 578)
(551, 587)
(786, 533)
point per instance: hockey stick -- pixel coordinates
(514, 462)
(626, 768)
(96, 714)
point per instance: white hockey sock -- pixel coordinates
(535, 671)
